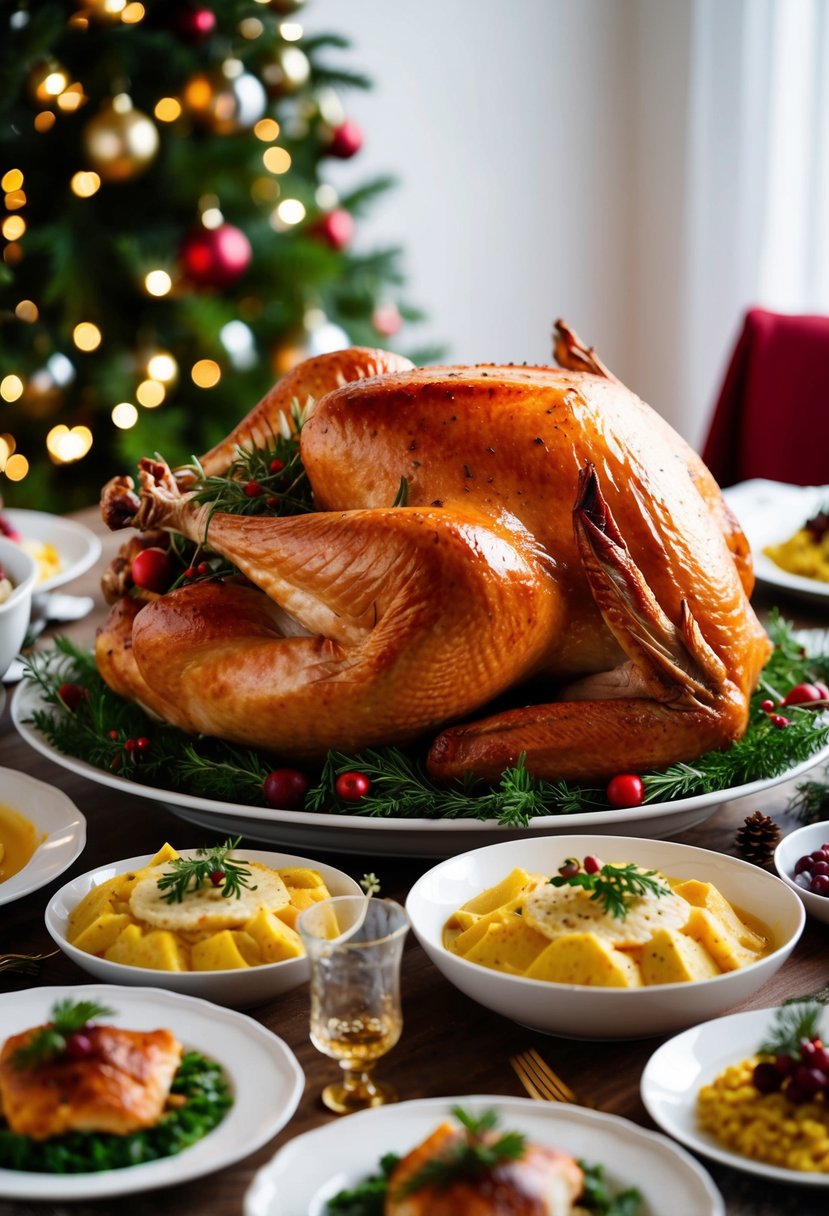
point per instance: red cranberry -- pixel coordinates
(767, 706)
(626, 790)
(779, 721)
(592, 865)
(78, 1045)
(253, 489)
(766, 1078)
(802, 863)
(285, 789)
(784, 1064)
(820, 884)
(810, 1080)
(351, 787)
(802, 694)
(73, 695)
(217, 877)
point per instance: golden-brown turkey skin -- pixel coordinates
(544, 1182)
(512, 441)
(374, 626)
(305, 383)
(121, 1086)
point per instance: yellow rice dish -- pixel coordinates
(764, 1127)
(807, 552)
(526, 926)
(126, 919)
(46, 558)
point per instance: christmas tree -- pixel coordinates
(171, 245)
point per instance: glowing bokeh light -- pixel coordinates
(206, 373)
(124, 415)
(158, 283)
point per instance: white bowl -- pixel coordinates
(790, 849)
(78, 546)
(14, 613)
(57, 821)
(238, 988)
(576, 1011)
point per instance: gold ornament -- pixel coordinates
(224, 101)
(285, 71)
(120, 142)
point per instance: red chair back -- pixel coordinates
(772, 416)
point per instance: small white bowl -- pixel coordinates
(581, 1012)
(790, 849)
(14, 613)
(238, 988)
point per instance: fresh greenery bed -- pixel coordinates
(83, 718)
(199, 1080)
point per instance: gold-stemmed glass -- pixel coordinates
(354, 945)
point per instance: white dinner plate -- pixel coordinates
(397, 837)
(313, 1167)
(771, 512)
(56, 819)
(676, 1071)
(78, 547)
(264, 1075)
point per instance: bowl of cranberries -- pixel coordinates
(802, 860)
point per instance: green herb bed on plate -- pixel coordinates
(199, 1080)
(85, 719)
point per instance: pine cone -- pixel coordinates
(758, 838)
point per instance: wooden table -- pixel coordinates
(449, 1046)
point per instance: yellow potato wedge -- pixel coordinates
(219, 952)
(671, 957)
(583, 958)
(277, 941)
(103, 931)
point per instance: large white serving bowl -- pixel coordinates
(577, 1011)
(14, 612)
(238, 988)
(790, 849)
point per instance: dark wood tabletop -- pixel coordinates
(450, 1045)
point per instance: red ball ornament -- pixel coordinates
(386, 320)
(285, 789)
(336, 228)
(215, 257)
(351, 787)
(626, 790)
(152, 570)
(346, 140)
(192, 23)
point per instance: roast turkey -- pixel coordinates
(558, 540)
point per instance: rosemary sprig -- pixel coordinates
(792, 1023)
(210, 866)
(474, 1154)
(67, 1017)
(810, 803)
(616, 886)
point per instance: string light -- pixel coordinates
(206, 373)
(5, 452)
(44, 121)
(276, 160)
(251, 28)
(17, 466)
(27, 311)
(291, 31)
(326, 197)
(86, 336)
(13, 254)
(133, 13)
(150, 394)
(66, 446)
(264, 190)
(289, 212)
(85, 183)
(11, 388)
(158, 283)
(13, 227)
(267, 129)
(124, 415)
(15, 200)
(212, 218)
(168, 109)
(12, 180)
(162, 366)
(73, 98)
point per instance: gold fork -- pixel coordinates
(24, 964)
(539, 1080)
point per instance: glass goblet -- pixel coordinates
(354, 945)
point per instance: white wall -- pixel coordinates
(508, 125)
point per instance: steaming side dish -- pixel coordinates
(612, 926)
(209, 912)
(18, 840)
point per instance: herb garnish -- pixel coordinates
(792, 1023)
(67, 1018)
(208, 866)
(474, 1154)
(616, 886)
